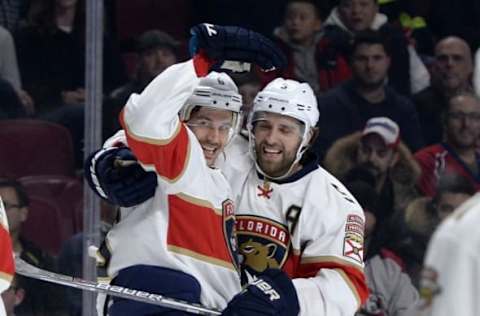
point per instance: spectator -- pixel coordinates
(423, 215)
(310, 59)
(408, 74)
(409, 231)
(156, 51)
(378, 150)
(451, 74)
(40, 298)
(9, 72)
(51, 55)
(391, 290)
(458, 153)
(346, 108)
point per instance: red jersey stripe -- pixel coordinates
(297, 267)
(169, 156)
(7, 266)
(196, 229)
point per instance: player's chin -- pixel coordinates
(211, 157)
(271, 169)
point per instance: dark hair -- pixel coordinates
(452, 182)
(246, 78)
(365, 194)
(369, 37)
(22, 195)
(320, 8)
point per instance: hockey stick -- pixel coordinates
(31, 271)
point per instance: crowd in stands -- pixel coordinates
(399, 115)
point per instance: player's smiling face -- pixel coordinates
(277, 138)
(212, 128)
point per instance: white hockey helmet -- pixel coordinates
(218, 91)
(290, 98)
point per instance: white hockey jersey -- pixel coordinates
(450, 278)
(310, 226)
(189, 224)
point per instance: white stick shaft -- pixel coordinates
(31, 271)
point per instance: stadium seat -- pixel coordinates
(44, 225)
(65, 192)
(34, 147)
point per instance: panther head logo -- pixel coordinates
(258, 256)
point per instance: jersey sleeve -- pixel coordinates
(7, 266)
(330, 279)
(449, 283)
(151, 123)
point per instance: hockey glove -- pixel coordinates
(233, 43)
(271, 293)
(115, 175)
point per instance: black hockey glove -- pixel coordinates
(271, 293)
(115, 175)
(233, 43)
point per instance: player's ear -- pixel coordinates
(19, 296)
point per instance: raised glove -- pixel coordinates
(115, 175)
(233, 43)
(271, 293)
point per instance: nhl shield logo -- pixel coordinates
(263, 243)
(229, 230)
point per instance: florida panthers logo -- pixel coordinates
(229, 230)
(263, 243)
(258, 256)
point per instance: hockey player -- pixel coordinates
(180, 243)
(291, 214)
(449, 284)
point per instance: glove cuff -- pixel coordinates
(202, 63)
(91, 171)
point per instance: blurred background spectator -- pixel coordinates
(377, 153)
(155, 51)
(458, 151)
(407, 73)
(40, 298)
(346, 108)
(451, 74)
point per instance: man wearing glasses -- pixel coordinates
(457, 153)
(40, 296)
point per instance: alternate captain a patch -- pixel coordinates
(263, 243)
(229, 231)
(353, 241)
